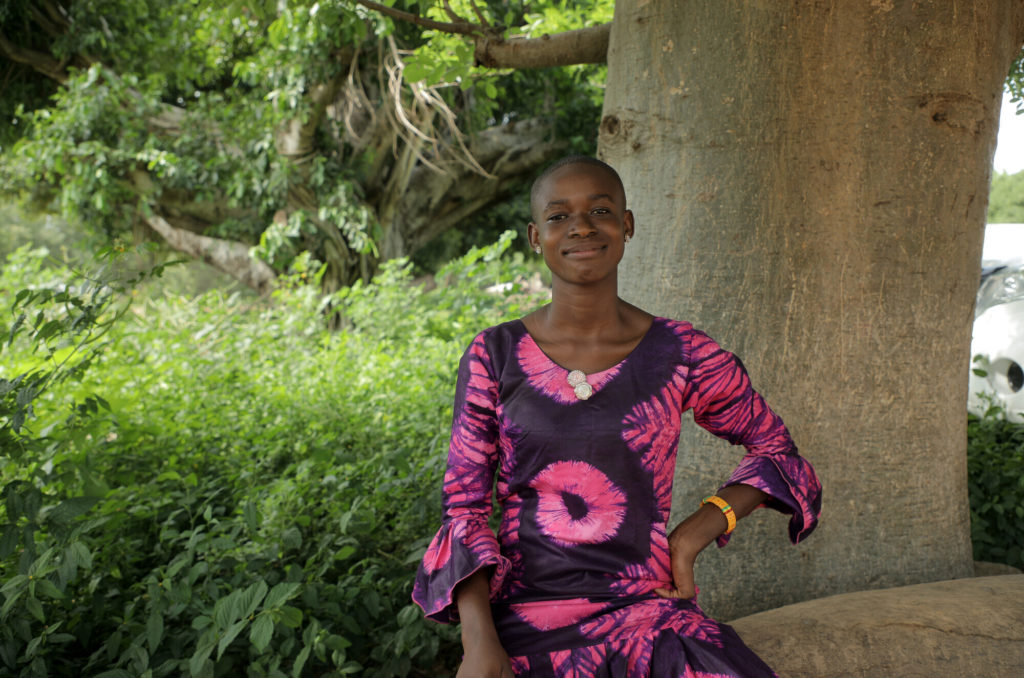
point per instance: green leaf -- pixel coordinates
(252, 516)
(224, 610)
(408, 615)
(35, 608)
(200, 663)
(281, 593)
(8, 540)
(33, 645)
(11, 600)
(250, 599)
(229, 636)
(337, 643)
(291, 616)
(261, 632)
(154, 630)
(415, 72)
(300, 661)
(48, 589)
(177, 564)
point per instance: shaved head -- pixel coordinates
(566, 162)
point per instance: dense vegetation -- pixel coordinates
(1006, 199)
(306, 126)
(219, 486)
(995, 472)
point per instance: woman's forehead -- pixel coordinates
(580, 176)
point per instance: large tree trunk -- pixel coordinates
(809, 182)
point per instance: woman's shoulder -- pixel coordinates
(496, 341)
(653, 321)
(687, 342)
(508, 329)
(680, 328)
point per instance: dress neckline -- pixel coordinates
(529, 337)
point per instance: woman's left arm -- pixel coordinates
(698, 530)
(772, 473)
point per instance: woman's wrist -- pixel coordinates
(691, 536)
(473, 601)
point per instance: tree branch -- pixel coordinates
(461, 28)
(57, 13)
(581, 46)
(49, 27)
(295, 137)
(433, 202)
(39, 61)
(480, 15)
(227, 255)
(451, 13)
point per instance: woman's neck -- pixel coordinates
(584, 311)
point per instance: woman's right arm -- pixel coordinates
(484, 657)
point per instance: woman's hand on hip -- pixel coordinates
(487, 659)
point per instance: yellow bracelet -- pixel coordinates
(730, 515)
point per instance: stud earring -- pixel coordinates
(537, 250)
(628, 236)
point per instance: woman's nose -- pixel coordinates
(581, 225)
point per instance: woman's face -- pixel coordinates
(580, 223)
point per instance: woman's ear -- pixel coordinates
(533, 236)
(628, 226)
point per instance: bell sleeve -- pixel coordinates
(725, 403)
(465, 542)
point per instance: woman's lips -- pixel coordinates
(584, 251)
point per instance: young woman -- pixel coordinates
(575, 411)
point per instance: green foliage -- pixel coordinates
(1006, 199)
(572, 96)
(182, 108)
(256, 498)
(1015, 81)
(995, 471)
(54, 333)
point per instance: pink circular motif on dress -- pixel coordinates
(577, 504)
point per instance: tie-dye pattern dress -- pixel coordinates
(585, 486)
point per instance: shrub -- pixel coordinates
(261, 490)
(995, 471)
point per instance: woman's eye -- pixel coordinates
(602, 210)
(556, 217)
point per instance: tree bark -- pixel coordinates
(809, 182)
(231, 257)
(47, 64)
(582, 46)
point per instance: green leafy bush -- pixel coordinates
(995, 471)
(261, 489)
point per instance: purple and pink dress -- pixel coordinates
(585, 486)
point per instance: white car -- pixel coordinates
(997, 344)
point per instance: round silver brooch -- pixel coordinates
(579, 384)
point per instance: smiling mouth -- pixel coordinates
(584, 251)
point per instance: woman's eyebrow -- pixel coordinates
(594, 196)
